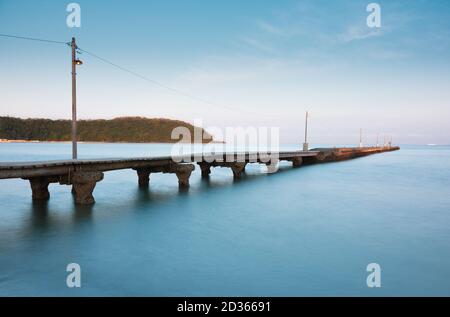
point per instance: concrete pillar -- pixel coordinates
(39, 188)
(143, 177)
(237, 169)
(206, 169)
(272, 167)
(183, 172)
(297, 161)
(84, 184)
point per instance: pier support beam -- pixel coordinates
(183, 172)
(206, 169)
(237, 169)
(297, 161)
(272, 167)
(39, 188)
(144, 177)
(84, 184)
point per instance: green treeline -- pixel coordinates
(125, 129)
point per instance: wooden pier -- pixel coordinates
(83, 175)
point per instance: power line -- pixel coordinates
(154, 82)
(32, 39)
(177, 91)
(123, 69)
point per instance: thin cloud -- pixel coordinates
(388, 54)
(357, 34)
(257, 44)
(269, 28)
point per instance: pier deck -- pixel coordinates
(84, 174)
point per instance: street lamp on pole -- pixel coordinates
(75, 62)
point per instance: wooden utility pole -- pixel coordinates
(305, 144)
(74, 100)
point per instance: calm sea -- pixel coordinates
(306, 231)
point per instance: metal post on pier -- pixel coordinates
(75, 62)
(305, 144)
(360, 138)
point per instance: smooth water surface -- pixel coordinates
(305, 231)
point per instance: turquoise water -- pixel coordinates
(306, 231)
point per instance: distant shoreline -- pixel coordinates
(23, 141)
(97, 142)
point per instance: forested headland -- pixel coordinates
(124, 129)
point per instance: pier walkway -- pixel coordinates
(83, 175)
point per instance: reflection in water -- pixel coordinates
(183, 190)
(143, 195)
(50, 215)
(44, 216)
(82, 213)
(39, 215)
(149, 196)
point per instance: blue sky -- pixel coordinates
(268, 60)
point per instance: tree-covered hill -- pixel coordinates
(125, 129)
